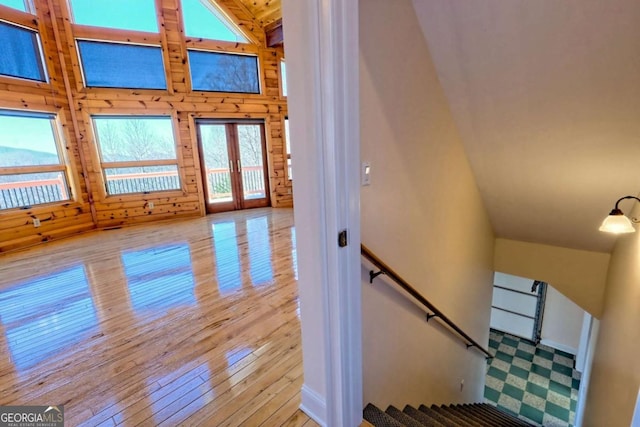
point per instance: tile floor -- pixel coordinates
(536, 383)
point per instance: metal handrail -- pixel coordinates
(388, 271)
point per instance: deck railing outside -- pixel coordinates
(35, 192)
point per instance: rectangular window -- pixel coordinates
(119, 65)
(20, 53)
(223, 72)
(283, 77)
(137, 15)
(138, 154)
(287, 147)
(32, 171)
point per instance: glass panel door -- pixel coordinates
(233, 158)
(252, 161)
(217, 166)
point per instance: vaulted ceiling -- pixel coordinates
(265, 11)
(546, 98)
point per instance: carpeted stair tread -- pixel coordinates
(471, 414)
(437, 416)
(405, 419)
(509, 419)
(498, 418)
(480, 413)
(375, 416)
(455, 418)
(425, 419)
(462, 415)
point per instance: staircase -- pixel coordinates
(467, 415)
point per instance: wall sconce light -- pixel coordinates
(617, 222)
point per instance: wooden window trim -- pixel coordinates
(103, 195)
(65, 165)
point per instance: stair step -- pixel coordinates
(510, 419)
(406, 420)
(462, 415)
(375, 416)
(498, 419)
(472, 414)
(460, 421)
(436, 416)
(425, 419)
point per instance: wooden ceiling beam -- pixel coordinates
(275, 35)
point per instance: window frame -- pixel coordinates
(259, 74)
(113, 35)
(111, 42)
(97, 155)
(25, 20)
(63, 166)
(281, 78)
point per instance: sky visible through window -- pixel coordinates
(27, 133)
(136, 15)
(16, 4)
(201, 21)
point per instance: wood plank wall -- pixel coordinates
(65, 95)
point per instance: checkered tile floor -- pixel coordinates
(536, 383)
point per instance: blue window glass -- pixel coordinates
(202, 20)
(136, 15)
(223, 72)
(119, 65)
(20, 53)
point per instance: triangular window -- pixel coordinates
(203, 19)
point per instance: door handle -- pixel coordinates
(231, 166)
(239, 168)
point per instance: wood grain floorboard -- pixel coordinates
(180, 323)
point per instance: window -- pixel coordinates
(202, 19)
(138, 154)
(32, 171)
(287, 147)
(118, 65)
(283, 77)
(22, 5)
(138, 15)
(20, 54)
(223, 72)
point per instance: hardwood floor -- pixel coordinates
(189, 322)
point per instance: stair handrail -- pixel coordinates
(435, 312)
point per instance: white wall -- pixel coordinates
(515, 302)
(615, 377)
(422, 214)
(562, 322)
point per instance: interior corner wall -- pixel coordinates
(615, 375)
(562, 322)
(423, 215)
(579, 275)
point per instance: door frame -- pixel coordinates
(233, 149)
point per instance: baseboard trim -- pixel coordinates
(559, 346)
(314, 405)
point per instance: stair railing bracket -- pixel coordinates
(429, 316)
(470, 345)
(373, 275)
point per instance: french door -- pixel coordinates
(234, 164)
